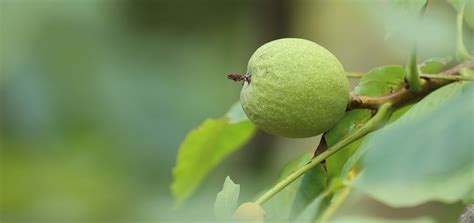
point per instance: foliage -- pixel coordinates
(434, 65)
(436, 164)
(377, 82)
(226, 200)
(280, 206)
(421, 152)
(205, 147)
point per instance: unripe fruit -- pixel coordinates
(295, 88)
(249, 212)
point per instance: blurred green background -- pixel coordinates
(98, 94)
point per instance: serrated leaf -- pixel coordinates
(426, 155)
(434, 65)
(203, 149)
(313, 183)
(367, 219)
(226, 200)
(278, 208)
(381, 81)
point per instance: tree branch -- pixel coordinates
(447, 77)
(404, 96)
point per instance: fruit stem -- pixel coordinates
(373, 124)
(355, 75)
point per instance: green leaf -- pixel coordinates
(469, 14)
(377, 82)
(461, 50)
(381, 81)
(313, 183)
(352, 120)
(466, 72)
(203, 149)
(399, 113)
(426, 155)
(367, 219)
(278, 208)
(434, 65)
(353, 160)
(432, 102)
(312, 210)
(294, 165)
(319, 205)
(412, 7)
(429, 103)
(226, 200)
(470, 198)
(458, 4)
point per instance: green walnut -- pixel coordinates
(294, 88)
(249, 212)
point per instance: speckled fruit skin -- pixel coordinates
(298, 88)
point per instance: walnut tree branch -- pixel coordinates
(405, 96)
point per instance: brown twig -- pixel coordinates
(404, 96)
